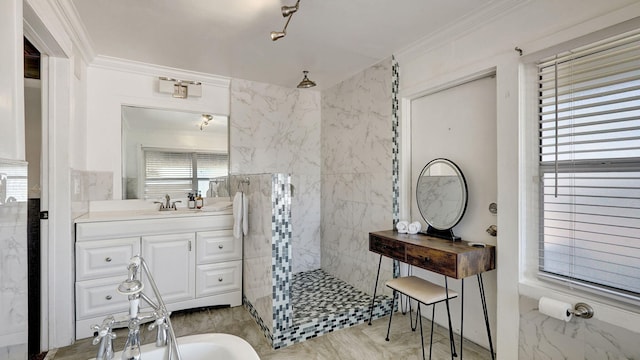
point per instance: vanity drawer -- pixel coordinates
(432, 259)
(216, 246)
(386, 247)
(99, 297)
(218, 278)
(103, 258)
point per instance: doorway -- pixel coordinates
(33, 151)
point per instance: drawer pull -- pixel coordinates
(220, 279)
(426, 259)
(108, 297)
(220, 246)
(107, 259)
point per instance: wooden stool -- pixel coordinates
(424, 292)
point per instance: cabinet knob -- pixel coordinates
(107, 259)
(220, 279)
(426, 259)
(108, 297)
(220, 246)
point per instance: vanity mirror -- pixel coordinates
(173, 152)
(441, 194)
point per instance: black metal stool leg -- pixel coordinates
(375, 288)
(419, 315)
(393, 301)
(461, 317)
(486, 314)
(433, 320)
(453, 344)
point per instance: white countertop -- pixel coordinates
(136, 210)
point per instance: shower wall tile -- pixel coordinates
(13, 259)
(277, 130)
(357, 163)
(543, 337)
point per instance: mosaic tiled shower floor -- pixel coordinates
(318, 295)
(322, 303)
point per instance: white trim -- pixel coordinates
(466, 25)
(44, 29)
(136, 67)
(75, 26)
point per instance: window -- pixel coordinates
(589, 162)
(179, 173)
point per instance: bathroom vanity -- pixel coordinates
(193, 257)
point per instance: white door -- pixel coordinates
(171, 263)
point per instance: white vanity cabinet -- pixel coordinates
(170, 259)
(195, 261)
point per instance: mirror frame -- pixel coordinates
(437, 230)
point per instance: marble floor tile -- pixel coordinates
(357, 342)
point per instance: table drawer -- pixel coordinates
(431, 259)
(386, 247)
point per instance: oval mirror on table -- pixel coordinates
(441, 194)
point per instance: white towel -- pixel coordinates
(402, 227)
(414, 227)
(240, 215)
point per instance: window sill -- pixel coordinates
(609, 312)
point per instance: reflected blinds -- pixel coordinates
(178, 173)
(589, 138)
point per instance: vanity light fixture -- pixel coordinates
(287, 11)
(180, 89)
(306, 83)
(205, 121)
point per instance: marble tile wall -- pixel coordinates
(357, 152)
(13, 259)
(277, 130)
(543, 337)
(89, 186)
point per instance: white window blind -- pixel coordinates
(589, 139)
(179, 173)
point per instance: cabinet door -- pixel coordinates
(103, 258)
(171, 262)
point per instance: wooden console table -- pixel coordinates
(457, 260)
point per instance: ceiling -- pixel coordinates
(332, 39)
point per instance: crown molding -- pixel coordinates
(141, 68)
(468, 24)
(75, 28)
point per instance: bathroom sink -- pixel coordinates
(203, 347)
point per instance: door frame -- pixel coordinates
(43, 29)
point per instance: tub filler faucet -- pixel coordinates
(159, 318)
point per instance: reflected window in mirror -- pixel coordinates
(173, 152)
(178, 173)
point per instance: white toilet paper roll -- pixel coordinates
(555, 308)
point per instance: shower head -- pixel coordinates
(130, 287)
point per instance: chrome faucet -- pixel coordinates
(167, 205)
(159, 317)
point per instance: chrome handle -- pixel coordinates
(108, 297)
(107, 259)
